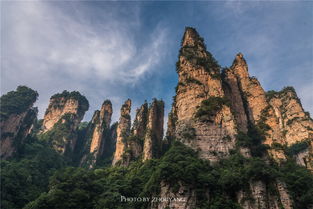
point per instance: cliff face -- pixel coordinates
(64, 103)
(263, 198)
(295, 125)
(154, 131)
(61, 120)
(123, 132)
(210, 109)
(16, 123)
(99, 133)
(202, 116)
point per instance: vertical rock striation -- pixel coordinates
(123, 131)
(98, 141)
(65, 103)
(295, 124)
(201, 116)
(144, 140)
(61, 120)
(154, 130)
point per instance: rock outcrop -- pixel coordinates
(98, 136)
(61, 120)
(121, 157)
(17, 119)
(295, 124)
(154, 130)
(64, 103)
(201, 116)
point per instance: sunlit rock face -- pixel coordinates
(61, 120)
(123, 132)
(98, 137)
(199, 79)
(295, 124)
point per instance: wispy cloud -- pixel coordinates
(52, 47)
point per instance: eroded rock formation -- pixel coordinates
(61, 120)
(123, 131)
(295, 124)
(144, 141)
(200, 87)
(16, 123)
(154, 130)
(98, 136)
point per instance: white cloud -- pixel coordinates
(51, 47)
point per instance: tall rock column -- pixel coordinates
(61, 120)
(201, 116)
(140, 122)
(123, 132)
(154, 130)
(98, 130)
(135, 142)
(104, 121)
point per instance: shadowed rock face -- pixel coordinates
(123, 132)
(154, 130)
(17, 119)
(14, 130)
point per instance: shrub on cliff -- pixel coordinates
(210, 107)
(83, 102)
(16, 102)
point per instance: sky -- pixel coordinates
(120, 50)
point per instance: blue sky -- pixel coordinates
(120, 50)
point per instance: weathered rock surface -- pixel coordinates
(257, 107)
(140, 122)
(260, 197)
(199, 80)
(144, 140)
(14, 130)
(154, 130)
(123, 132)
(17, 119)
(233, 93)
(61, 120)
(99, 139)
(64, 103)
(295, 124)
